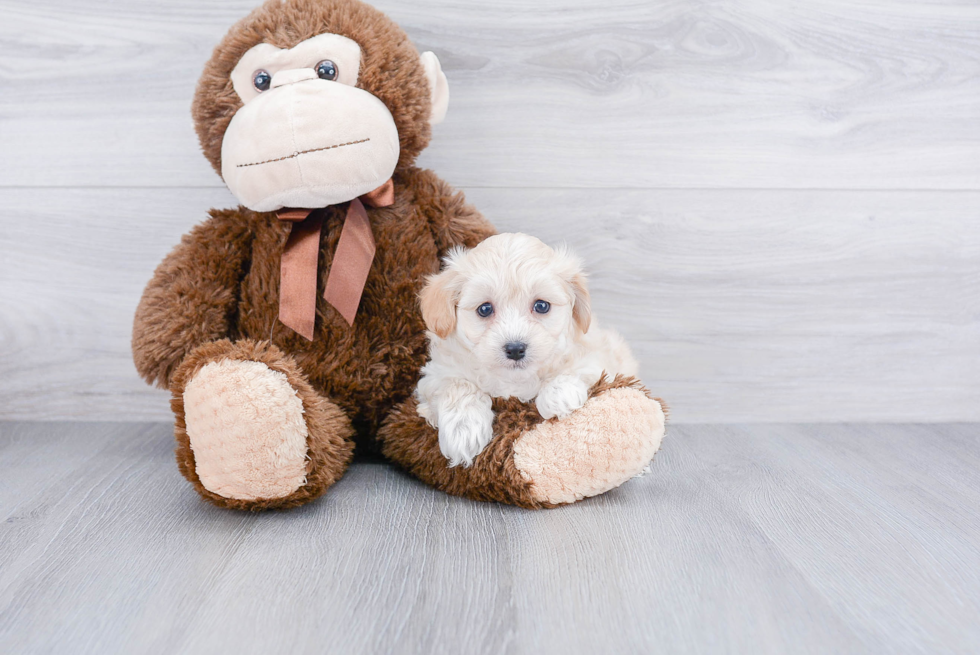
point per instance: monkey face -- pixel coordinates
(306, 134)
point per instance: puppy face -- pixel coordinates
(512, 301)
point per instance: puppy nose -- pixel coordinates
(515, 350)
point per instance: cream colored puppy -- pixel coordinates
(510, 317)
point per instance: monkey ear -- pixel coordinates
(582, 307)
(438, 85)
(438, 300)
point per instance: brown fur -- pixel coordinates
(222, 281)
(493, 476)
(216, 295)
(330, 432)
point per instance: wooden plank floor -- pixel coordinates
(776, 538)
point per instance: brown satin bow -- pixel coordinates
(350, 268)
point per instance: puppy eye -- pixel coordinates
(484, 310)
(542, 306)
(261, 80)
(326, 70)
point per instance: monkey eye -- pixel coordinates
(542, 306)
(326, 70)
(484, 310)
(261, 80)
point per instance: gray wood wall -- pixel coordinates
(780, 202)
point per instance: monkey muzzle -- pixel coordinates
(308, 142)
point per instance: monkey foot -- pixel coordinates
(246, 428)
(611, 439)
(251, 432)
(535, 463)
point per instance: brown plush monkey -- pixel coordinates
(286, 335)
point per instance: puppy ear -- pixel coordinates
(582, 303)
(570, 267)
(438, 300)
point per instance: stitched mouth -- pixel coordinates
(303, 152)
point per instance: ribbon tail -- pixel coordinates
(351, 263)
(298, 276)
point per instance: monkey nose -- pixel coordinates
(515, 350)
(292, 76)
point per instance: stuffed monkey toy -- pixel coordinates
(288, 329)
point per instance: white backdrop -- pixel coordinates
(780, 206)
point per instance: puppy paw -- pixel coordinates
(465, 430)
(561, 396)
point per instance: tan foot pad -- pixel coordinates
(246, 428)
(605, 443)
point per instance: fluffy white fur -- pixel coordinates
(566, 352)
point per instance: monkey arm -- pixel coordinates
(454, 221)
(192, 297)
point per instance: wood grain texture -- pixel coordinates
(762, 539)
(878, 94)
(740, 305)
(778, 203)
